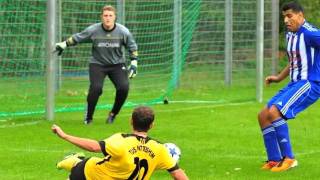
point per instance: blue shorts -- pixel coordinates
(295, 97)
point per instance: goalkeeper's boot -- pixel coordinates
(87, 121)
(285, 164)
(270, 164)
(88, 114)
(110, 118)
(70, 161)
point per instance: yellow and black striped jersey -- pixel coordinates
(128, 156)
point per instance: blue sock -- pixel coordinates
(271, 144)
(281, 127)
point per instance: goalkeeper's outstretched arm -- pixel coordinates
(64, 44)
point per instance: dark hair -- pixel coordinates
(142, 118)
(293, 5)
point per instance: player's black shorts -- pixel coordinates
(77, 172)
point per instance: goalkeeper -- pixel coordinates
(108, 40)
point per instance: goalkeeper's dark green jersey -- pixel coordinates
(108, 45)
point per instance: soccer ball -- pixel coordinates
(173, 150)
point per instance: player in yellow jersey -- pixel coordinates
(126, 156)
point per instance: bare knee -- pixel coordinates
(264, 118)
(263, 114)
(274, 113)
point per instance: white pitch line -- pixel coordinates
(36, 150)
(208, 105)
(169, 110)
(205, 106)
(198, 101)
(20, 124)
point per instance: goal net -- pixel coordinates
(200, 68)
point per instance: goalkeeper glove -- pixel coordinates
(60, 47)
(133, 69)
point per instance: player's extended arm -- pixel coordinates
(64, 44)
(87, 144)
(277, 78)
(179, 174)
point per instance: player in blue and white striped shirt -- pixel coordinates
(303, 50)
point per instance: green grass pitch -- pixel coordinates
(219, 139)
